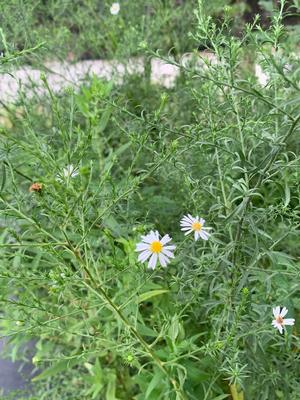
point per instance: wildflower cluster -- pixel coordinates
(155, 247)
(159, 249)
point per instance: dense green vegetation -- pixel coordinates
(218, 144)
(74, 29)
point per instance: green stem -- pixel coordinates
(100, 292)
(260, 180)
(236, 395)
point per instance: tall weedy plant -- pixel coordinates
(90, 177)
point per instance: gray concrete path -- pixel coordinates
(62, 74)
(13, 375)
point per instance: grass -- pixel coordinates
(217, 144)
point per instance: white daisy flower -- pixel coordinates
(155, 247)
(196, 225)
(115, 8)
(69, 172)
(279, 322)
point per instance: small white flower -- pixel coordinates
(196, 225)
(115, 8)
(155, 247)
(279, 322)
(69, 172)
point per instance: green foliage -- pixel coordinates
(217, 144)
(76, 29)
(86, 29)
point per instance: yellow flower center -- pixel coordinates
(156, 247)
(196, 226)
(279, 319)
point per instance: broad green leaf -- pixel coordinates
(174, 329)
(146, 331)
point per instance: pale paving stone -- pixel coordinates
(61, 75)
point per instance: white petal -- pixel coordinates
(165, 239)
(187, 219)
(167, 253)
(144, 256)
(163, 260)
(157, 235)
(289, 321)
(277, 325)
(188, 232)
(202, 221)
(69, 169)
(191, 218)
(280, 328)
(196, 235)
(186, 223)
(186, 228)
(141, 246)
(146, 239)
(276, 311)
(152, 261)
(115, 8)
(204, 235)
(149, 238)
(284, 311)
(154, 235)
(172, 247)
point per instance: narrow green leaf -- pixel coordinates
(221, 397)
(154, 382)
(111, 387)
(287, 193)
(3, 177)
(55, 369)
(105, 119)
(152, 293)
